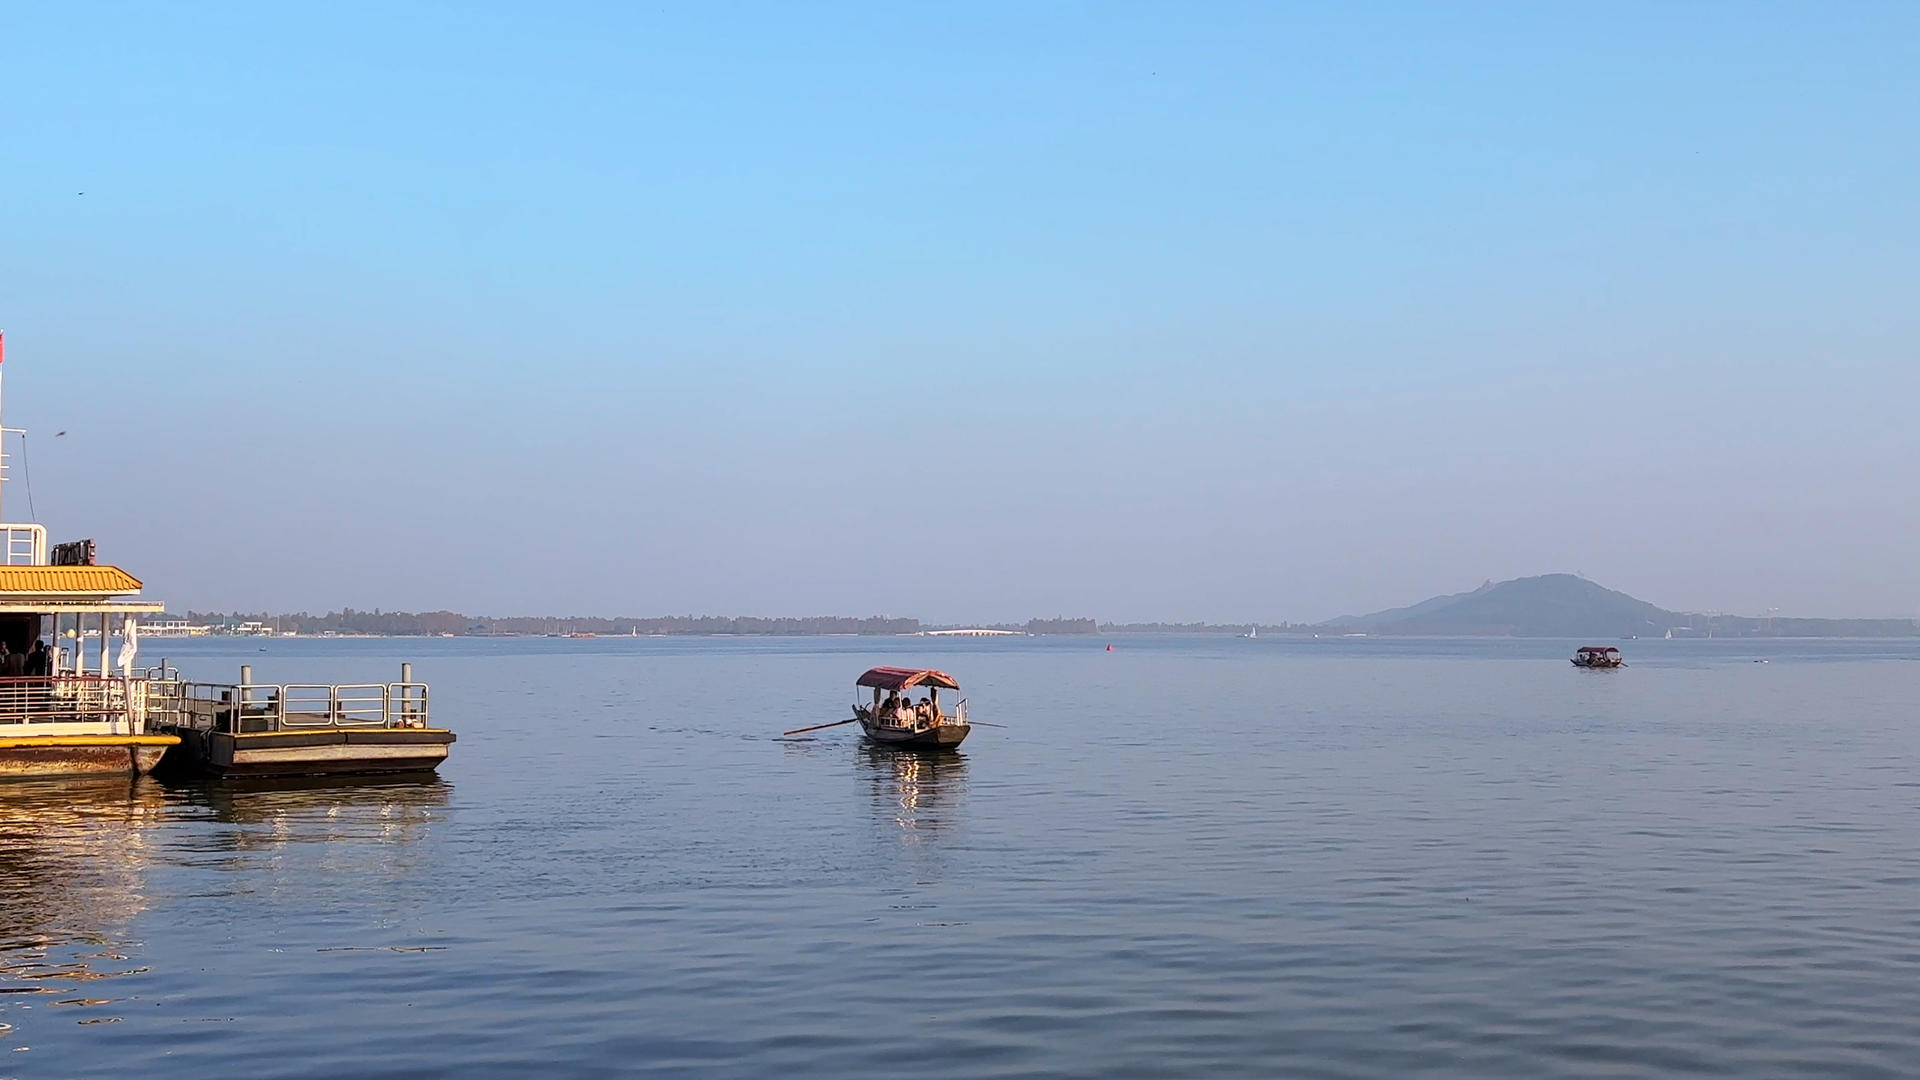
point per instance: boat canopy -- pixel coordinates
(1597, 648)
(899, 678)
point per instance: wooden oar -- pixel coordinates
(817, 727)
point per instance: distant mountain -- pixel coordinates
(1551, 605)
(1392, 615)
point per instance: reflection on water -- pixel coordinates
(73, 861)
(77, 856)
(281, 832)
(400, 799)
(917, 791)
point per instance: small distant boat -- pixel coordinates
(897, 721)
(1252, 632)
(1598, 656)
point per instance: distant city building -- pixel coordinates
(175, 628)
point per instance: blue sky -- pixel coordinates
(968, 312)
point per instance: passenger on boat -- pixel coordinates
(37, 665)
(15, 663)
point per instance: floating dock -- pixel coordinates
(300, 729)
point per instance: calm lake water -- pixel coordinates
(1184, 857)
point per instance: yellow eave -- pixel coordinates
(65, 582)
(53, 606)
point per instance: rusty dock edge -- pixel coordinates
(81, 755)
(310, 753)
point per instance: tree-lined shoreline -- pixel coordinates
(1550, 605)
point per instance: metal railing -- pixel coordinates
(24, 543)
(72, 699)
(162, 698)
(252, 708)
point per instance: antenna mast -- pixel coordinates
(5, 431)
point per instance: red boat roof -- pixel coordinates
(899, 678)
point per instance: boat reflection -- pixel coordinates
(919, 791)
(319, 809)
(73, 861)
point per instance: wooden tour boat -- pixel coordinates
(896, 720)
(1598, 656)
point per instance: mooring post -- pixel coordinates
(406, 696)
(246, 674)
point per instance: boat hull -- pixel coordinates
(82, 755)
(943, 737)
(332, 752)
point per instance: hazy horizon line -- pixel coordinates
(930, 624)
